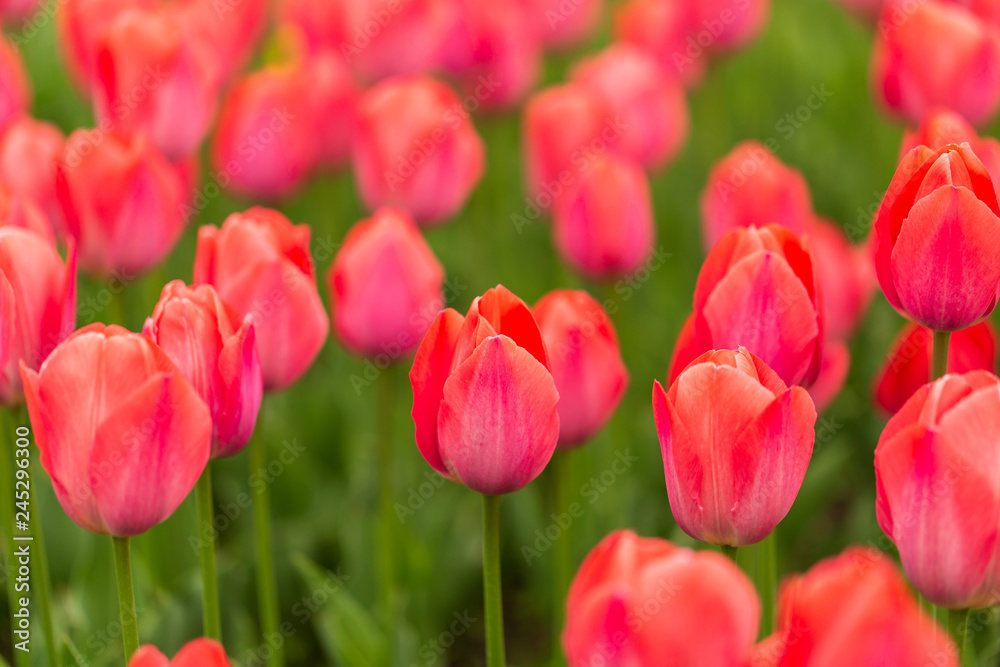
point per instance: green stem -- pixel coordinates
(492, 592)
(387, 517)
(730, 551)
(562, 478)
(267, 588)
(959, 627)
(939, 365)
(211, 617)
(768, 583)
(126, 595)
(7, 509)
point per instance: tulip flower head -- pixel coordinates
(29, 154)
(197, 653)
(942, 127)
(15, 88)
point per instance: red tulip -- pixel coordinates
(846, 274)
(198, 653)
(19, 211)
(643, 601)
(604, 227)
(123, 435)
(81, 25)
(484, 401)
(938, 254)
(386, 285)
(586, 362)
(736, 443)
(664, 27)
(728, 24)
(653, 107)
(230, 31)
(260, 263)
(561, 24)
(335, 96)
(936, 54)
(942, 127)
(215, 350)
(15, 89)
(416, 148)
(759, 289)
(853, 609)
(122, 201)
(29, 153)
(751, 187)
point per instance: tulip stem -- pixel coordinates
(387, 518)
(126, 595)
(730, 551)
(959, 627)
(939, 366)
(492, 592)
(211, 618)
(267, 588)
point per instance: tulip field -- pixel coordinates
(563, 333)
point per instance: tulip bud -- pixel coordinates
(29, 154)
(484, 401)
(260, 264)
(942, 127)
(416, 148)
(938, 256)
(663, 28)
(197, 653)
(19, 211)
(736, 443)
(633, 602)
(586, 362)
(15, 89)
(82, 25)
(562, 25)
(123, 435)
(386, 285)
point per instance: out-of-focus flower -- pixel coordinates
(560, 24)
(664, 27)
(15, 89)
(29, 154)
(197, 653)
(16, 210)
(334, 96)
(81, 25)
(230, 30)
(942, 127)
(846, 274)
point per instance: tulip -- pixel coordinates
(988, 10)
(386, 285)
(853, 609)
(759, 289)
(197, 653)
(561, 25)
(729, 23)
(847, 276)
(652, 106)
(323, 24)
(663, 28)
(644, 601)
(604, 227)
(586, 362)
(938, 254)
(416, 148)
(260, 263)
(750, 186)
(230, 31)
(81, 26)
(335, 96)
(18, 8)
(736, 442)
(936, 54)
(15, 89)
(942, 127)
(29, 154)
(19, 211)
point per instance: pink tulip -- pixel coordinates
(15, 89)
(416, 148)
(988, 10)
(123, 435)
(230, 31)
(19, 211)
(736, 443)
(22, 9)
(323, 22)
(664, 28)
(604, 227)
(652, 106)
(29, 155)
(847, 276)
(121, 199)
(215, 350)
(559, 24)
(942, 127)
(260, 263)
(484, 401)
(728, 24)
(386, 285)
(586, 362)
(643, 601)
(81, 26)
(197, 653)
(938, 254)
(335, 96)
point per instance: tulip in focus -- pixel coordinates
(942, 127)
(123, 435)
(561, 25)
(484, 400)
(29, 154)
(197, 653)
(644, 601)
(586, 362)
(386, 285)
(15, 88)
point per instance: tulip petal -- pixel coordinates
(239, 368)
(201, 653)
(511, 317)
(148, 656)
(430, 371)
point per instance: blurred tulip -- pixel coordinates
(751, 187)
(938, 254)
(81, 26)
(323, 22)
(586, 362)
(833, 369)
(215, 350)
(335, 96)
(759, 289)
(652, 107)
(853, 609)
(121, 199)
(942, 127)
(229, 30)
(604, 227)
(736, 442)
(15, 88)
(935, 54)
(484, 401)
(644, 601)
(416, 148)
(19, 211)
(728, 24)
(29, 154)
(197, 653)
(663, 28)
(846, 274)
(18, 8)
(385, 285)
(908, 366)
(123, 435)
(560, 24)
(260, 263)
(988, 10)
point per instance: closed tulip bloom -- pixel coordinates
(29, 153)
(749, 187)
(853, 609)
(81, 26)
(644, 601)
(847, 276)
(939, 54)
(18, 211)
(229, 32)
(386, 285)
(758, 288)
(416, 148)
(942, 127)
(561, 26)
(663, 28)
(604, 227)
(15, 89)
(586, 362)
(652, 106)
(122, 201)
(259, 263)
(215, 350)
(197, 653)
(335, 96)
(484, 401)
(736, 442)
(123, 435)
(908, 366)
(938, 254)
(731, 24)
